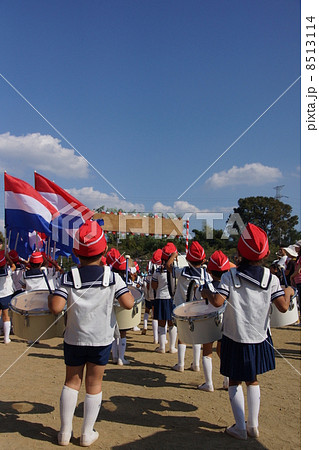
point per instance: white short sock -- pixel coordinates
(181, 354)
(253, 403)
(92, 404)
(237, 401)
(208, 367)
(68, 401)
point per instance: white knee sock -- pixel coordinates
(92, 404)
(237, 401)
(172, 332)
(208, 367)
(155, 330)
(68, 401)
(122, 348)
(146, 316)
(196, 354)
(6, 331)
(161, 337)
(115, 350)
(253, 403)
(181, 354)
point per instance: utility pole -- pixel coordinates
(278, 195)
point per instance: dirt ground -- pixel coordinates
(146, 405)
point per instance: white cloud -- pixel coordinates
(178, 207)
(42, 153)
(251, 174)
(94, 199)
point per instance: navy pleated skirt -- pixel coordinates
(163, 309)
(243, 362)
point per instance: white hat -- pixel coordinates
(291, 251)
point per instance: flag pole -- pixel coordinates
(16, 241)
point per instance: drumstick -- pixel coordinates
(284, 277)
(127, 257)
(46, 279)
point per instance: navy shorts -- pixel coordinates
(78, 355)
(5, 302)
(149, 304)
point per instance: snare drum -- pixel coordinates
(31, 318)
(130, 318)
(291, 316)
(198, 322)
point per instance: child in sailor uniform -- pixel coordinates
(246, 348)
(6, 292)
(90, 292)
(163, 303)
(190, 279)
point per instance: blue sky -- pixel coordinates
(151, 93)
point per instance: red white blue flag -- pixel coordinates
(25, 208)
(72, 213)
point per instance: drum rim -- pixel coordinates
(136, 301)
(219, 311)
(34, 312)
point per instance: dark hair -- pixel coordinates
(90, 259)
(35, 265)
(218, 273)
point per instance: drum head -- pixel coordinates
(196, 309)
(137, 294)
(31, 302)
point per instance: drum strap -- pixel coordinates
(266, 278)
(106, 276)
(76, 277)
(235, 278)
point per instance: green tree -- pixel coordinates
(271, 215)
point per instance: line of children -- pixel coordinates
(90, 292)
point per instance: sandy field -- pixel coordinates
(146, 405)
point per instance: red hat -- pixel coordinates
(253, 243)
(218, 261)
(157, 256)
(114, 258)
(14, 256)
(195, 252)
(89, 240)
(120, 264)
(3, 260)
(36, 258)
(168, 250)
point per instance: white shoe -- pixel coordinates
(173, 350)
(155, 341)
(206, 387)
(123, 362)
(136, 329)
(195, 368)
(236, 432)
(160, 350)
(7, 341)
(253, 432)
(64, 438)
(88, 439)
(226, 383)
(178, 368)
